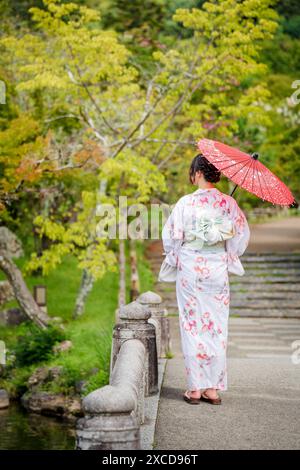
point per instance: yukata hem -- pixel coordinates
(200, 386)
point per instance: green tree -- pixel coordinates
(142, 121)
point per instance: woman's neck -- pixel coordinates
(205, 185)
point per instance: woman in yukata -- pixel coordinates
(203, 237)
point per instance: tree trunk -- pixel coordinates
(134, 275)
(21, 291)
(122, 276)
(87, 282)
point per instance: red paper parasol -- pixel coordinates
(246, 171)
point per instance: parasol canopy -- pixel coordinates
(246, 171)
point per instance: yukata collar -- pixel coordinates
(200, 190)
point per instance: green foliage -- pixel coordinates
(96, 381)
(74, 238)
(136, 16)
(64, 383)
(282, 55)
(103, 351)
(212, 62)
(15, 381)
(211, 81)
(36, 345)
(91, 334)
(145, 272)
(291, 26)
(138, 174)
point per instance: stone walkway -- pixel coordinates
(276, 236)
(261, 409)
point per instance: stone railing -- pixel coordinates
(114, 413)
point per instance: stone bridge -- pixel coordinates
(142, 408)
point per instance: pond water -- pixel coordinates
(20, 430)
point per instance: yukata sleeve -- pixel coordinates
(173, 234)
(237, 245)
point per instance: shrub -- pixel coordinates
(36, 345)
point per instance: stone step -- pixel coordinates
(265, 279)
(265, 258)
(269, 348)
(261, 331)
(238, 335)
(250, 312)
(248, 262)
(261, 272)
(266, 266)
(166, 287)
(237, 305)
(271, 258)
(258, 300)
(281, 326)
(237, 287)
(255, 295)
(271, 272)
(271, 295)
(266, 312)
(260, 304)
(269, 288)
(258, 343)
(264, 322)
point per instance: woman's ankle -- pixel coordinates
(196, 392)
(211, 392)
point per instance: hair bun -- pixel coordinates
(210, 172)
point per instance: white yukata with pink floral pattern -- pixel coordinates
(219, 233)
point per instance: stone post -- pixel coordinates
(134, 324)
(112, 420)
(159, 318)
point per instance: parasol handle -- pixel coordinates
(234, 189)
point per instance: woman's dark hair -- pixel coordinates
(210, 172)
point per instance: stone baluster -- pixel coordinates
(159, 318)
(134, 324)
